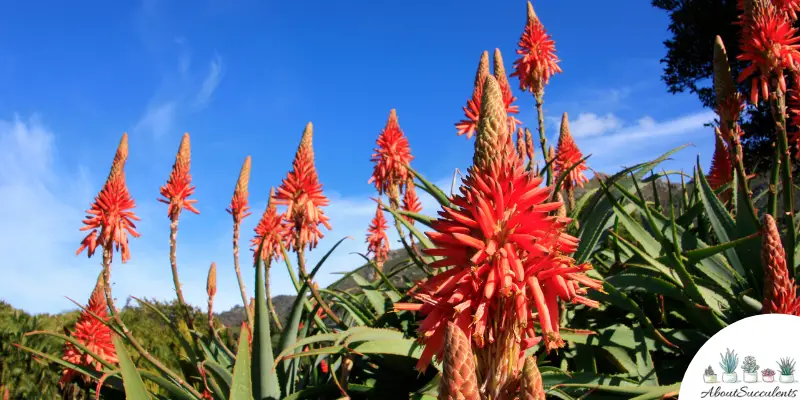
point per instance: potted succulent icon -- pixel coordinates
(730, 360)
(768, 375)
(786, 366)
(750, 369)
(709, 376)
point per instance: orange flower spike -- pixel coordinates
(789, 8)
(793, 110)
(377, 240)
(473, 108)
(391, 156)
(239, 208)
(780, 295)
(538, 60)
(111, 213)
(411, 202)
(302, 194)
(459, 380)
(529, 144)
(179, 185)
(770, 45)
(271, 231)
(93, 334)
(721, 172)
(505, 87)
(567, 155)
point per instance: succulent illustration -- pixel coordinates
(786, 366)
(709, 371)
(730, 360)
(767, 372)
(749, 365)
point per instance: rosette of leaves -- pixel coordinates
(749, 365)
(729, 361)
(709, 371)
(768, 372)
(786, 366)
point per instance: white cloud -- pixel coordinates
(590, 124)
(211, 81)
(159, 119)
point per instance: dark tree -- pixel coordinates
(687, 66)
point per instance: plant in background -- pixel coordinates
(709, 376)
(750, 368)
(768, 375)
(729, 362)
(786, 367)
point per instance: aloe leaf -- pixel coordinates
(421, 218)
(77, 344)
(134, 386)
(376, 300)
(241, 385)
(750, 252)
(173, 327)
(565, 174)
(634, 283)
(221, 375)
(432, 189)
(265, 381)
(423, 239)
(175, 391)
(345, 303)
(65, 364)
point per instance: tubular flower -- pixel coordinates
(459, 381)
(93, 334)
(721, 172)
(179, 185)
(411, 202)
(507, 259)
(239, 208)
(111, 213)
(567, 155)
(391, 157)
(270, 232)
(302, 193)
(770, 44)
(505, 87)
(789, 8)
(538, 60)
(473, 108)
(780, 295)
(377, 240)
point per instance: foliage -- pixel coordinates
(749, 365)
(768, 372)
(709, 371)
(786, 366)
(730, 360)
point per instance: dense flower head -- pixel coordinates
(780, 293)
(179, 185)
(302, 194)
(473, 108)
(506, 257)
(377, 240)
(271, 231)
(391, 157)
(93, 334)
(411, 201)
(770, 44)
(110, 216)
(721, 172)
(538, 60)
(790, 8)
(459, 380)
(567, 155)
(239, 208)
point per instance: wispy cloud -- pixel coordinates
(159, 119)
(211, 82)
(590, 124)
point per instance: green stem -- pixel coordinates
(779, 111)
(542, 138)
(772, 201)
(173, 261)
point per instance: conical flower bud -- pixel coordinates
(306, 144)
(724, 87)
(562, 210)
(780, 296)
(529, 144)
(521, 148)
(238, 208)
(459, 381)
(120, 158)
(531, 14)
(500, 69)
(531, 387)
(483, 69)
(492, 128)
(211, 282)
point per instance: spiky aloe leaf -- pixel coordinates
(241, 385)
(134, 386)
(376, 299)
(265, 381)
(220, 375)
(430, 188)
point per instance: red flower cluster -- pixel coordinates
(377, 240)
(111, 211)
(721, 172)
(391, 157)
(239, 208)
(538, 60)
(93, 334)
(179, 185)
(411, 202)
(473, 108)
(567, 155)
(271, 232)
(302, 194)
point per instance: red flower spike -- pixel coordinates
(391, 157)
(239, 208)
(567, 155)
(770, 44)
(93, 334)
(793, 110)
(506, 257)
(302, 194)
(789, 8)
(377, 240)
(110, 217)
(538, 60)
(271, 231)
(505, 87)
(179, 185)
(721, 172)
(473, 108)
(411, 202)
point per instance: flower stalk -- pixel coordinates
(238, 210)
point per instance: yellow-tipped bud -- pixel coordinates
(492, 129)
(483, 69)
(211, 282)
(724, 87)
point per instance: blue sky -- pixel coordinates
(244, 77)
